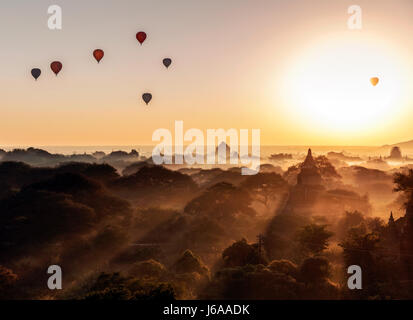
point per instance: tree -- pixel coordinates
(327, 170)
(404, 183)
(314, 270)
(114, 286)
(380, 265)
(222, 202)
(251, 282)
(349, 220)
(284, 266)
(314, 238)
(188, 263)
(281, 232)
(149, 269)
(241, 253)
(359, 248)
(154, 183)
(265, 187)
(7, 280)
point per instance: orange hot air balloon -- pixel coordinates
(98, 54)
(374, 81)
(56, 66)
(141, 36)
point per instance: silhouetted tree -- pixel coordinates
(314, 238)
(189, 263)
(149, 269)
(265, 187)
(7, 281)
(241, 253)
(315, 269)
(404, 183)
(114, 286)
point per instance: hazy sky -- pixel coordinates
(291, 68)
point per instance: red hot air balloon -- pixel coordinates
(141, 36)
(98, 54)
(56, 66)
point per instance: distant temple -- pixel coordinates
(391, 219)
(305, 194)
(312, 195)
(395, 153)
(309, 174)
(224, 152)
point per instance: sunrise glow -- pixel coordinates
(330, 85)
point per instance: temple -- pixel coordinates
(309, 174)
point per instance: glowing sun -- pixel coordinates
(331, 85)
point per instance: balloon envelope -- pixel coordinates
(56, 66)
(167, 62)
(147, 97)
(141, 36)
(374, 81)
(98, 54)
(36, 73)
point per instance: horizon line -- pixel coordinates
(153, 145)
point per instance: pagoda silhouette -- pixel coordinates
(309, 174)
(305, 194)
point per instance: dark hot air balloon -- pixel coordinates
(147, 97)
(141, 36)
(167, 62)
(98, 54)
(36, 73)
(56, 66)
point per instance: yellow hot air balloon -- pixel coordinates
(374, 81)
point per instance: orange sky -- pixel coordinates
(290, 68)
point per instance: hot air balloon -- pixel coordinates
(167, 62)
(98, 54)
(374, 81)
(147, 97)
(36, 73)
(141, 36)
(56, 66)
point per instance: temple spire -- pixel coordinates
(391, 219)
(309, 160)
(309, 173)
